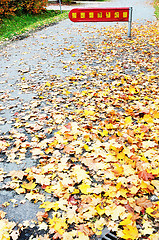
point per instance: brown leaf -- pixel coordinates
(85, 229)
(144, 202)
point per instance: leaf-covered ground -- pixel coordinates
(93, 138)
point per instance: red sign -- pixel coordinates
(99, 15)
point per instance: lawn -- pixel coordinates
(24, 23)
(156, 6)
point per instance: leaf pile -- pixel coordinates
(95, 138)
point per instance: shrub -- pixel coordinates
(10, 7)
(66, 1)
(31, 6)
(7, 8)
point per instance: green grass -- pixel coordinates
(156, 5)
(24, 23)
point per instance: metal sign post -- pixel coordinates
(102, 15)
(129, 22)
(60, 5)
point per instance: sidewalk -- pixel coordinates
(79, 121)
(142, 10)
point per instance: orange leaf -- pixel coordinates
(145, 175)
(41, 215)
(156, 114)
(118, 170)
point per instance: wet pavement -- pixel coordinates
(37, 57)
(30, 62)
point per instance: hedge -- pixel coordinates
(12, 7)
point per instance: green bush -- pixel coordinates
(66, 1)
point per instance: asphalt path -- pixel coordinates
(37, 57)
(142, 10)
(27, 63)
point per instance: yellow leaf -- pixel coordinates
(2, 214)
(86, 147)
(49, 189)
(118, 186)
(56, 206)
(110, 193)
(154, 172)
(58, 224)
(87, 139)
(66, 92)
(147, 118)
(89, 112)
(30, 186)
(121, 155)
(5, 229)
(118, 170)
(85, 188)
(153, 212)
(100, 210)
(49, 150)
(109, 126)
(122, 192)
(50, 205)
(76, 191)
(5, 204)
(130, 232)
(128, 120)
(127, 220)
(47, 84)
(104, 133)
(132, 90)
(84, 66)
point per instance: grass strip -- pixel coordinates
(25, 23)
(156, 6)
